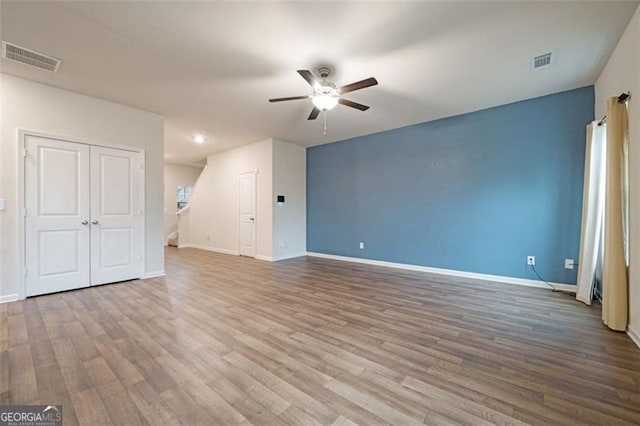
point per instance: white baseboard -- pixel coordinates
(278, 258)
(289, 256)
(635, 335)
(449, 272)
(153, 274)
(236, 253)
(9, 298)
(214, 249)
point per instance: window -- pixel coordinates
(182, 196)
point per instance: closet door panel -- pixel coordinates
(57, 206)
(116, 215)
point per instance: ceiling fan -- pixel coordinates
(326, 94)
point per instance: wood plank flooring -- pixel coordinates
(230, 340)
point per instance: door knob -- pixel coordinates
(94, 221)
(84, 222)
(251, 218)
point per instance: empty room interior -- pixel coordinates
(319, 213)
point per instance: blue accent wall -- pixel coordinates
(476, 192)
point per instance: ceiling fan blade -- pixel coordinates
(307, 75)
(314, 113)
(352, 104)
(358, 85)
(291, 98)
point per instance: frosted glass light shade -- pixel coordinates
(325, 102)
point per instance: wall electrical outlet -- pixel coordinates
(531, 260)
(568, 264)
(361, 245)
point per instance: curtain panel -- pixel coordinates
(615, 303)
(590, 258)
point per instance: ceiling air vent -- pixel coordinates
(542, 61)
(30, 57)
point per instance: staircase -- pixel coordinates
(173, 239)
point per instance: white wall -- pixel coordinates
(622, 74)
(289, 218)
(281, 229)
(215, 200)
(32, 106)
(175, 175)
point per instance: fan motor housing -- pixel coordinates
(326, 88)
(324, 71)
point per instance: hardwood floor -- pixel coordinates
(230, 340)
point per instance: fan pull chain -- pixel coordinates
(324, 131)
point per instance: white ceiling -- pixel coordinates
(209, 67)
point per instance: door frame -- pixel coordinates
(21, 246)
(255, 213)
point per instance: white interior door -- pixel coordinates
(116, 215)
(248, 214)
(57, 229)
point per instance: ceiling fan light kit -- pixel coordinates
(325, 101)
(326, 95)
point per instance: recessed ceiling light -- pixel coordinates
(198, 139)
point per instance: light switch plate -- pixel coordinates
(3, 204)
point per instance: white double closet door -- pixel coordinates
(83, 222)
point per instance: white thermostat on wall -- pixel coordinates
(3, 204)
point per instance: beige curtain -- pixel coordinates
(615, 304)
